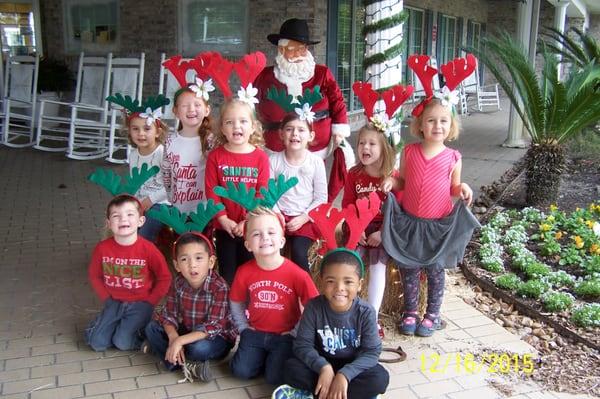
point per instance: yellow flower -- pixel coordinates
(545, 227)
(589, 223)
(595, 249)
(578, 242)
(580, 220)
(550, 219)
(558, 235)
(553, 207)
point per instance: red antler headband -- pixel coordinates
(393, 98)
(454, 73)
(202, 84)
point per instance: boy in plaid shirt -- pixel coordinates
(195, 324)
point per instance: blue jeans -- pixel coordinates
(258, 351)
(119, 324)
(151, 226)
(202, 350)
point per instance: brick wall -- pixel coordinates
(153, 30)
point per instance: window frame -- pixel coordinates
(407, 36)
(75, 46)
(443, 33)
(191, 49)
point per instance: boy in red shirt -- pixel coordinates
(270, 288)
(129, 274)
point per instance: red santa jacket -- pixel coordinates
(270, 113)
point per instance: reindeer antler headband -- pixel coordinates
(197, 220)
(150, 109)
(301, 105)
(454, 73)
(202, 85)
(129, 185)
(393, 98)
(357, 217)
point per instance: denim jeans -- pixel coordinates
(151, 226)
(258, 351)
(367, 384)
(204, 349)
(119, 324)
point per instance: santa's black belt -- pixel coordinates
(319, 115)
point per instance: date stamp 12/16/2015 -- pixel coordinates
(470, 363)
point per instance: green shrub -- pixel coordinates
(508, 281)
(532, 288)
(560, 279)
(591, 264)
(557, 301)
(523, 259)
(550, 247)
(491, 257)
(588, 288)
(587, 315)
(536, 270)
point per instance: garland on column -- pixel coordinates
(380, 25)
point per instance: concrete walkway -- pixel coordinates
(50, 219)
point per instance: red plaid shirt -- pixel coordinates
(205, 309)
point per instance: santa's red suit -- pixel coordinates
(330, 115)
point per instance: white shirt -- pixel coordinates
(154, 187)
(311, 190)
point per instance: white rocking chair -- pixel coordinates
(20, 92)
(90, 126)
(92, 79)
(486, 96)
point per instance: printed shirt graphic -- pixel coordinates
(359, 184)
(338, 338)
(223, 166)
(272, 295)
(183, 170)
(136, 272)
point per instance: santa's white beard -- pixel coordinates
(293, 74)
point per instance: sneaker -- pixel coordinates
(408, 324)
(288, 392)
(428, 325)
(146, 348)
(197, 370)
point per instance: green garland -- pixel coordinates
(388, 54)
(386, 23)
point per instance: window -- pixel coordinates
(350, 48)
(473, 34)
(213, 25)
(413, 36)
(91, 25)
(17, 29)
(448, 39)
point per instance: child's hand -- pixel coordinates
(374, 239)
(466, 194)
(296, 222)
(339, 387)
(325, 378)
(238, 230)
(175, 353)
(387, 184)
(363, 239)
(146, 203)
(228, 225)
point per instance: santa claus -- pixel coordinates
(295, 70)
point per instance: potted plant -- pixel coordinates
(552, 110)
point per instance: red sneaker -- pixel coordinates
(381, 331)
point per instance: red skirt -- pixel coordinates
(308, 229)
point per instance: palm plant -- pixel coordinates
(552, 111)
(570, 50)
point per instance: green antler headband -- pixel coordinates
(150, 109)
(197, 220)
(301, 105)
(129, 184)
(247, 197)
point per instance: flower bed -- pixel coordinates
(552, 259)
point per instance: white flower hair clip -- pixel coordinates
(305, 113)
(151, 115)
(202, 88)
(448, 98)
(248, 95)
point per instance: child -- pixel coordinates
(236, 159)
(311, 190)
(376, 157)
(147, 141)
(337, 347)
(129, 274)
(195, 325)
(428, 232)
(184, 161)
(270, 288)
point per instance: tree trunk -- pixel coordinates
(545, 165)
